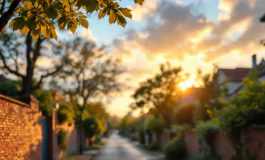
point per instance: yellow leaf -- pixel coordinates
(112, 17)
(83, 22)
(24, 30)
(126, 12)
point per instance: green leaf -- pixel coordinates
(83, 22)
(62, 22)
(91, 5)
(51, 13)
(126, 12)
(112, 17)
(18, 23)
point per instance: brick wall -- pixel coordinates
(192, 143)
(223, 146)
(254, 139)
(20, 129)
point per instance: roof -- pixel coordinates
(236, 74)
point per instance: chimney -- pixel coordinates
(254, 61)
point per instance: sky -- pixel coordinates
(193, 34)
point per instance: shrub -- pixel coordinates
(176, 148)
(206, 130)
(62, 139)
(65, 114)
(185, 114)
(156, 125)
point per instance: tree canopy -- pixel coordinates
(160, 92)
(41, 17)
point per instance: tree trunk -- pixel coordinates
(8, 14)
(26, 89)
(90, 142)
(81, 134)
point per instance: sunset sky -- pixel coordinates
(191, 33)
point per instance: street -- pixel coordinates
(118, 148)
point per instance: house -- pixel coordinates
(234, 77)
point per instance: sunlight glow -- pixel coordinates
(187, 84)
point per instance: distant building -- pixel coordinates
(234, 77)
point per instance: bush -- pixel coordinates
(205, 130)
(176, 148)
(156, 125)
(185, 114)
(65, 114)
(62, 139)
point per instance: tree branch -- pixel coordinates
(8, 14)
(3, 7)
(8, 68)
(47, 75)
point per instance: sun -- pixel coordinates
(186, 84)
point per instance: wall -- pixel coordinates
(21, 129)
(192, 143)
(73, 141)
(254, 140)
(223, 146)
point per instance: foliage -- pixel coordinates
(128, 125)
(246, 109)
(211, 95)
(66, 113)
(206, 156)
(176, 148)
(206, 131)
(20, 57)
(159, 92)
(45, 97)
(91, 127)
(62, 139)
(204, 128)
(151, 147)
(41, 17)
(156, 125)
(10, 88)
(185, 114)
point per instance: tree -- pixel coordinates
(160, 92)
(211, 93)
(10, 88)
(41, 17)
(91, 73)
(185, 114)
(91, 127)
(24, 64)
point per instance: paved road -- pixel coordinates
(118, 148)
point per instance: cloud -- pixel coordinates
(174, 31)
(140, 12)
